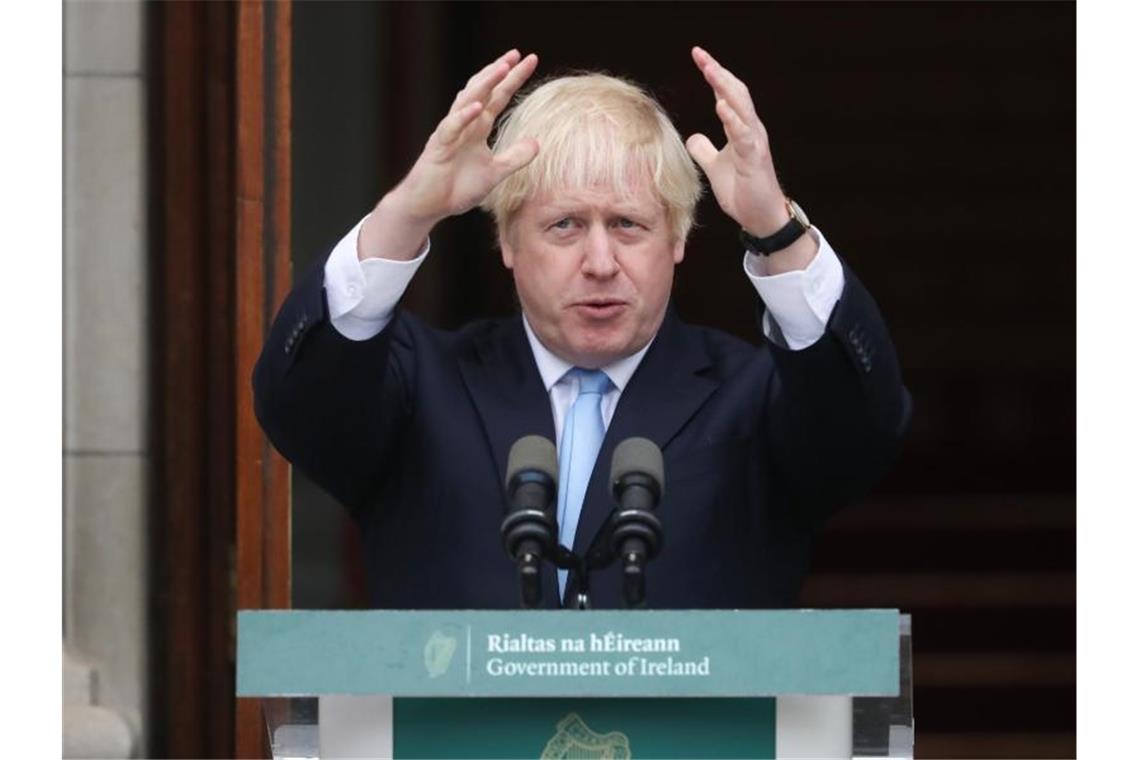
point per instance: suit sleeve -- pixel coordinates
(837, 410)
(333, 406)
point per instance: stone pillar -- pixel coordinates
(105, 371)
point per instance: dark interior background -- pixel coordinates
(934, 145)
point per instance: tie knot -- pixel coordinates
(592, 381)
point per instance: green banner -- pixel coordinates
(568, 653)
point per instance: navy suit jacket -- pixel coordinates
(410, 430)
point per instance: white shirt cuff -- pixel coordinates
(800, 301)
(363, 294)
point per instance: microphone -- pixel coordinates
(530, 530)
(637, 477)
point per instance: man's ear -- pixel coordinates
(506, 250)
(678, 251)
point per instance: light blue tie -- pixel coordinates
(582, 434)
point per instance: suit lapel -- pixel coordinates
(664, 393)
(507, 390)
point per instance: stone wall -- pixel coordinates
(105, 369)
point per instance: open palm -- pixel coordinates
(457, 169)
(741, 174)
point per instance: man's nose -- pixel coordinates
(600, 258)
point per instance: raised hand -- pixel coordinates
(741, 174)
(456, 169)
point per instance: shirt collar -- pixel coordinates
(552, 368)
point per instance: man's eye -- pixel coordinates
(626, 223)
(563, 224)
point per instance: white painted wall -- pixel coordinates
(105, 367)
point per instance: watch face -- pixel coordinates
(798, 213)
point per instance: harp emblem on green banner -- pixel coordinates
(438, 652)
(574, 739)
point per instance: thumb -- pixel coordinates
(514, 158)
(702, 151)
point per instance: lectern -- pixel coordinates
(571, 684)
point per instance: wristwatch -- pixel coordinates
(784, 237)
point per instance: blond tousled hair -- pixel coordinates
(595, 130)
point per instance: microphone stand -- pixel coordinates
(644, 532)
(637, 531)
(565, 559)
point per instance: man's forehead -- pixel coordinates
(637, 199)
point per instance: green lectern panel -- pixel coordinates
(550, 728)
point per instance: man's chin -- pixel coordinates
(598, 353)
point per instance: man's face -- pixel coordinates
(593, 272)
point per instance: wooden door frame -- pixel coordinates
(263, 279)
(219, 125)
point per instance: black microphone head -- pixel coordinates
(533, 453)
(638, 456)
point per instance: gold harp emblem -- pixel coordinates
(573, 739)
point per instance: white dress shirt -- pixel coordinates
(563, 387)
(363, 294)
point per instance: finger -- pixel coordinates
(739, 134)
(725, 84)
(511, 57)
(730, 88)
(480, 84)
(506, 89)
(705, 60)
(510, 160)
(479, 87)
(453, 125)
(702, 150)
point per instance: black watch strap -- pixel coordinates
(788, 234)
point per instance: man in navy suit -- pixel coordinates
(593, 193)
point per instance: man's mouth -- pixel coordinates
(599, 308)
